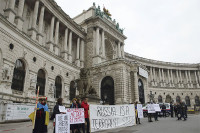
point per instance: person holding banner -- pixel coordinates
(136, 114)
(85, 105)
(74, 127)
(56, 110)
(42, 116)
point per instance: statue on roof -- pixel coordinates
(106, 12)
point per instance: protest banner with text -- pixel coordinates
(140, 111)
(151, 108)
(157, 107)
(76, 115)
(104, 117)
(62, 123)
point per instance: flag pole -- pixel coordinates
(36, 107)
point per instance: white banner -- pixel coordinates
(62, 124)
(157, 107)
(62, 109)
(150, 108)
(104, 117)
(16, 111)
(76, 115)
(140, 111)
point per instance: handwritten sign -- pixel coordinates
(157, 107)
(76, 115)
(140, 111)
(62, 109)
(104, 117)
(62, 123)
(150, 108)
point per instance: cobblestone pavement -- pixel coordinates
(164, 125)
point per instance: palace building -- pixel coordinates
(42, 47)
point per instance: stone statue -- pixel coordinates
(92, 91)
(117, 26)
(94, 4)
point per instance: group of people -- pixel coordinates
(179, 109)
(40, 117)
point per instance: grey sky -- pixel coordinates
(166, 30)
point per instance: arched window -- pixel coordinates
(72, 92)
(41, 80)
(58, 84)
(159, 99)
(18, 76)
(178, 99)
(168, 99)
(141, 91)
(197, 102)
(187, 100)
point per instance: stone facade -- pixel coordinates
(82, 51)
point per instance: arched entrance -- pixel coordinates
(168, 99)
(160, 99)
(107, 90)
(141, 91)
(41, 81)
(187, 100)
(178, 99)
(197, 102)
(72, 91)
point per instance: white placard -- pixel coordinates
(76, 115)
(62, 124)
(104, 117)
(150, 108)
(140, 111)
(62, 109)
(143, 72)
(157, 108)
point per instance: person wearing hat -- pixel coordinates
(42, 116)
(74, 127)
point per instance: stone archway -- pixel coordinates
(168, 99)
(141, 91)
(107, 90)
(72, 90)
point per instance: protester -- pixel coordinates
(164, 110)
(175, 109)
(183, 111)
(74, 127)
(56, 110)
(86, 108)
(156, 115)
(42, 116)
(179, 111)
(79, 106)
(136, 114)
(149, 115)
(172, 109)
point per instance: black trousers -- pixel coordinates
(172, 113)
(88, 125)
(164, 113)
(156, 116)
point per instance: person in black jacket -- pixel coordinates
(56, 109)
(183, 111)
(172, 109)
(179, 111)
(164, 110)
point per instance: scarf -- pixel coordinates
(40, 106)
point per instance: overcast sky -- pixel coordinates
(165, 30)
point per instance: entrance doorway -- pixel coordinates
(107, 90)
(141, 91)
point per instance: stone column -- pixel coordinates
(70, 46)
(181, 83)
(151, 75)
(178, 80)
(19, 19)
(163, 77)
(198, 75)
(65, 44)
(122, 50)
(77, 52)
(154, 74)
(160, 77)
(190, 79)
(103, 44)
(195, 74)
(169, 80)
(172, 79)
(119, 49)
(187, 82)
(97, 56)
(33, 30)
(50, 43)
(10, 12)
(41, 21)
(136, 86)
(82, 53)
(56, 48)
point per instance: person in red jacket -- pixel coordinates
(86, 108)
